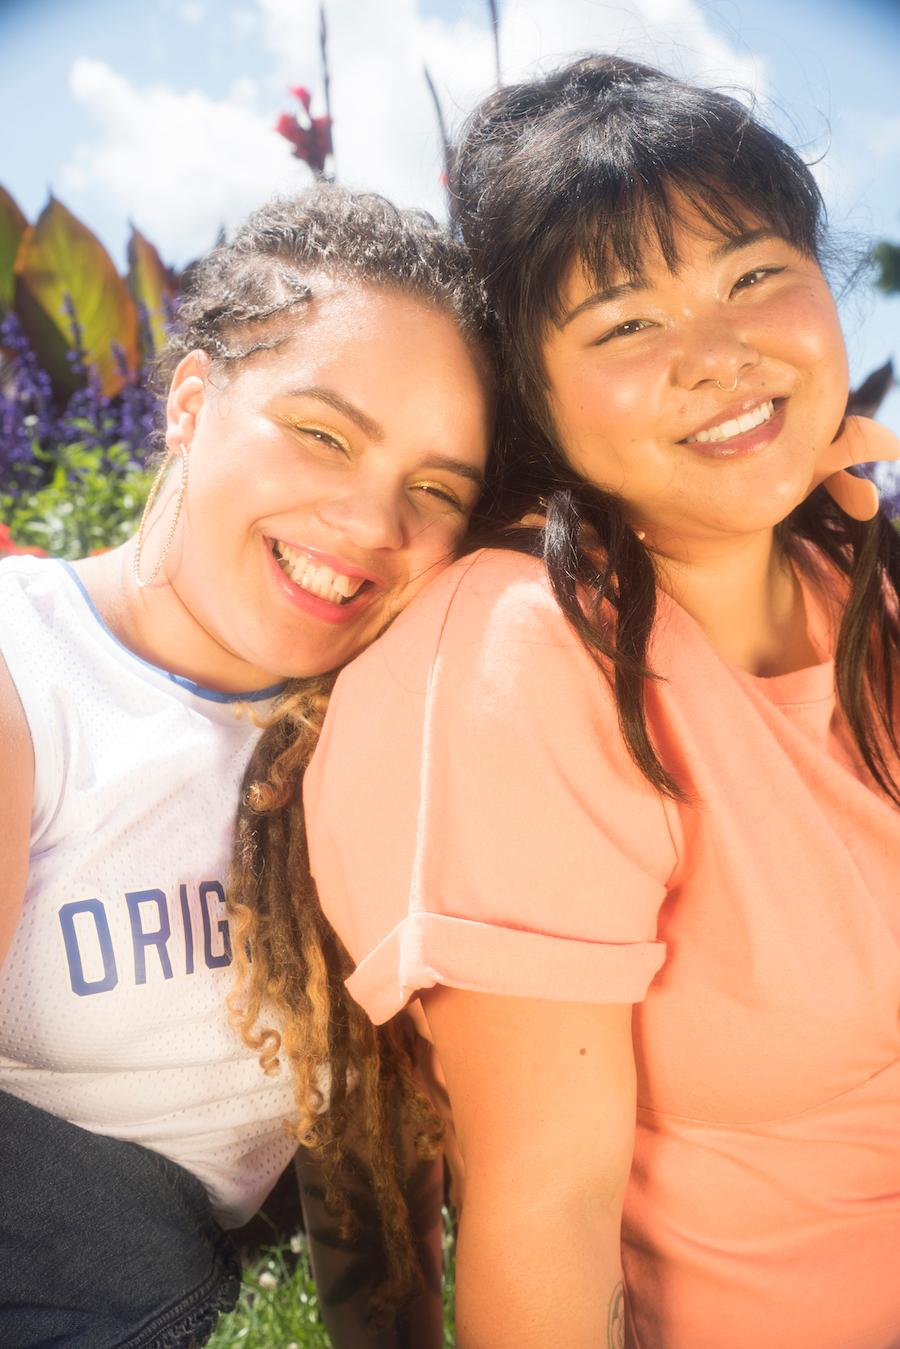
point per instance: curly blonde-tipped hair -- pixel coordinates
(352, 1082)
(351, 1079)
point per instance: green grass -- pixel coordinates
(278, 1307)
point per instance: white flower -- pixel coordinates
(296, 1247)
(267, 1279)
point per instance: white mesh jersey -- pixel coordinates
(112, 996)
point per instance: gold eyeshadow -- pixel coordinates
(315, 429)
(441, 490)
(430, 485)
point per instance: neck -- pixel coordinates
(155, 625)
(747, 599)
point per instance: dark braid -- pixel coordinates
(352, 1080)
(239, 298)
(588, 164)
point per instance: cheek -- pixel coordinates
(821, 348)
(607, 419)
(617, 396)
(806, 332)
(435, 547)
(438, 540)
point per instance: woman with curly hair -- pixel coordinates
(617, 799)
(326, 425)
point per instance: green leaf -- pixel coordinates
(12, 226)
(60, 256)
(887, 258)
(151, 284)
(86, 505)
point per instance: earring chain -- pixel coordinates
(140, 582)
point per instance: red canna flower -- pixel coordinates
(290, 130)
(311, 138)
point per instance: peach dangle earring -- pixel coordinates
(861, 441)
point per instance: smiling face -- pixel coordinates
(329, 479)
(703, 397)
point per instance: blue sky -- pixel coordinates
(161, 111)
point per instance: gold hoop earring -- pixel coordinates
(139, 541)
(731, 387)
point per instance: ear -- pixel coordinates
(187, 394)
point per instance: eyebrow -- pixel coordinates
(369, 428)
(457, 466)
(724, 250)
(604, 297)
(375, 431)
(739, 241)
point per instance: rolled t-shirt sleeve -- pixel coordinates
(474, 818)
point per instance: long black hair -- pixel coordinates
(587, 164)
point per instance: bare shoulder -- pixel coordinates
(15, 740)
(17, 775)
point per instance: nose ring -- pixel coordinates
(731, 388)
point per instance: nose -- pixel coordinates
(714, 351)
(370, 517)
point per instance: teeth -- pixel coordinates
(737, 426)
(314, 577)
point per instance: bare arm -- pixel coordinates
(543, 1099)
(17, 779)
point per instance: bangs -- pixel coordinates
(647, 218)
(603, 163)
(626, 183)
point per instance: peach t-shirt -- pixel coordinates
(475, 821)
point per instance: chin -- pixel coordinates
(777, 492)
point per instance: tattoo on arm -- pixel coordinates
(615, 1326)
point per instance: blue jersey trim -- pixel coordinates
(213, 695)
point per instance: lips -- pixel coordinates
(724, 436)
(729, 427)
(324, 586)
(316, 577)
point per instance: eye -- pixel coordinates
(623, 330)
(324, 437)
(753, 278)
(327, 439)
(439, 493)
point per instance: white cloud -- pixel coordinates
(673, 34)
(385, 130)
(180, 164)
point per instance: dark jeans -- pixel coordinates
(103, 1244)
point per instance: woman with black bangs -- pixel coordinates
(623, 790)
